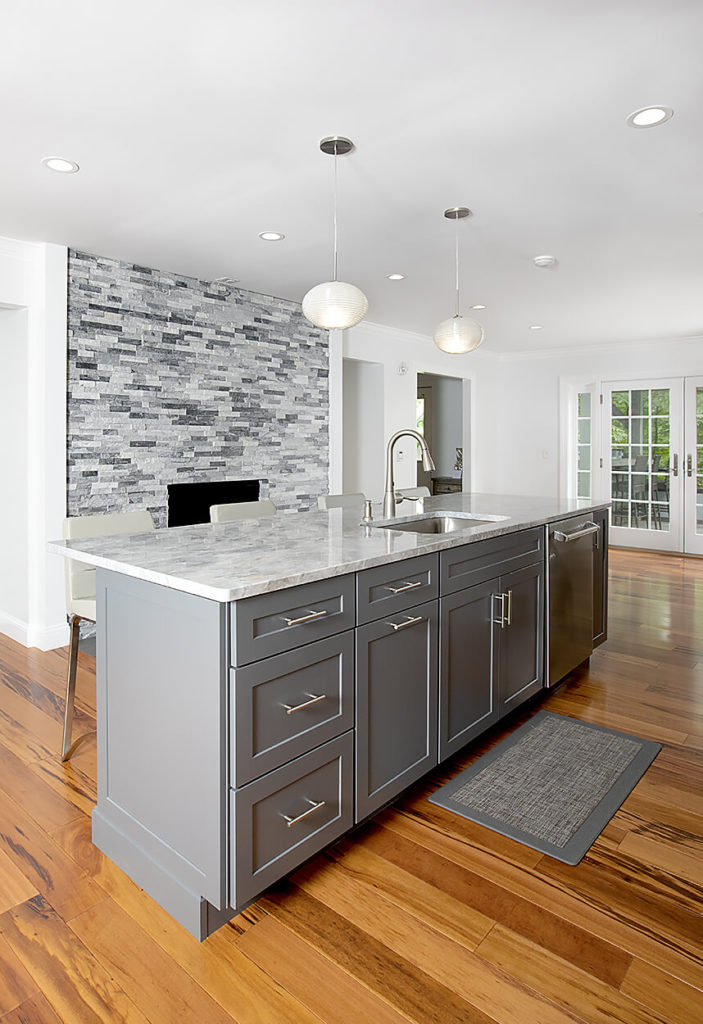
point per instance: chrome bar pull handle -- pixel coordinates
(675, 465)
(587, 529)
(689, 465)
(501, 621)
(509, 613)
(304, 618)
(290, 822)
(404, 587)
(314, 699)
(410, 621)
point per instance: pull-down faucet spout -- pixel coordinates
(390, 499)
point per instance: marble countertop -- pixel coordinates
(229, 561)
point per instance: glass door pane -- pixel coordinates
(584, 441)
(693, 466)
(642, 418)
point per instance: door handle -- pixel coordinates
(675, 466)
(501, 621)
(509, 614)
(689, 465)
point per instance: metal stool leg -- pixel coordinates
(74, 625)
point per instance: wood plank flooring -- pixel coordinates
(421, 916)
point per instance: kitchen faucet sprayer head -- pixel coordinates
(427, 460)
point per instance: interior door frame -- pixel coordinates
(629, 537)
(424, 477)
(693, 542)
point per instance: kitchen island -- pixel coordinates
(264, 685)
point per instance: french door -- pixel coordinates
(692, 468)
(653, 462)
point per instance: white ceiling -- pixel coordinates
(196, 126)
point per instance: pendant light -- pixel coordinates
(458, 334)
(335, 305)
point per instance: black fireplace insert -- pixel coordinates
(190, 503)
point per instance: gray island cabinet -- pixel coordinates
(243, 729)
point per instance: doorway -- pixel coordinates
(653, 462)
(440, 418)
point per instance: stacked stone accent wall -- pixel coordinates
(172, 379)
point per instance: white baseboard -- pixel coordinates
(45, 639)
(15, 628)
(50, 637)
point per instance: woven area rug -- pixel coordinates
(553, 784)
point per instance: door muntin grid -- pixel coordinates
(641, 458)
(697, 468)
(584, 440)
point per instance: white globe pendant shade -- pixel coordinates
(458, 334)
(335, 305)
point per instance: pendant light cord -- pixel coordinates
(334, 265)
(456, 255)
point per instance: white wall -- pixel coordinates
(519, 404)
(33, 277)
(14, 477)
(363, 464)
(403, 355)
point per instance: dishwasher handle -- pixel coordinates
(585, 531)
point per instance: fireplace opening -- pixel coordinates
(190, 503)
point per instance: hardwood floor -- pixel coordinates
(422, 916)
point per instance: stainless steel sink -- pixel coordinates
(439, 524)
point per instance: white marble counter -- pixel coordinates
(229, 561)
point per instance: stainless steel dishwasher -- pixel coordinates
(570, 582)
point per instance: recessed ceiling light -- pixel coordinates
(271, 236)
(477, 306)
(545, 260)
(395, 277)
(60, 164)
(648, 117)
(535, 327)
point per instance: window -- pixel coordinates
(584, 440)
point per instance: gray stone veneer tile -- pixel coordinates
(172, 379)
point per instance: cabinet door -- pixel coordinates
(396, 704)
(469, 664)
(522, 636)
(600, 578)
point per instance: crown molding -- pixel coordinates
(613, 346)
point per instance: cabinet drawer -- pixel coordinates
(393, 588)
(287, 816)
(283, 706)
(470, 564)
(271, 623)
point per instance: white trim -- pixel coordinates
(15, 628)
(609, 347)
(49, 637)
(34, 275)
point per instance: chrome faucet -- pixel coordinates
(390, 498)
